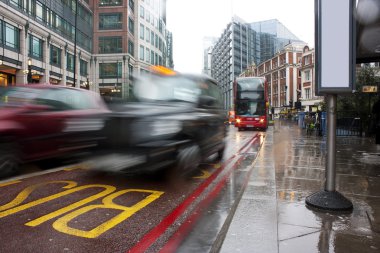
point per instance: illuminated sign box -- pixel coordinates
(369, 89)
(335, 46)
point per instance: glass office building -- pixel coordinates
(273, 36)
(243, 44)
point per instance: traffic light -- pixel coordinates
(298, 105)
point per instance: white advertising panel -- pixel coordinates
(335, 44)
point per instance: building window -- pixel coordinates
(147, 16)
(307, 76)
(142, 11)
(147, 53)
(83, 68)
(142, 53)
(108, 21)
(307, 93)
(152, 38)
(131, 5)
(307, 60)
(17, 3)
(40, 12)
(55, 56)
(131, 48)
(147, 34)
(10, 36)
(35, 47)
(283, 73)
(109, 45)
(151, 57)
(142, 31)
(70, 62)
(131, 26)
(110, 70)
(110, 3)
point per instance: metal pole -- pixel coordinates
(29, 77)
(29, 74)
(75, 42)
(329, 198)
(331, 143)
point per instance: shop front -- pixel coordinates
(7, 75)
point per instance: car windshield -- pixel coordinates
(12, 96)
(57, 99)
(166, 88)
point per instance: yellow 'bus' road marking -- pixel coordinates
(28, 190)
(42, 219)
(61, 224)
(81, 166)
(10, 183)
(24, 194)
(205, 174)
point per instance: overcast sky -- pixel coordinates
(192, 20)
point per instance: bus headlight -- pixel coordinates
(238, 120)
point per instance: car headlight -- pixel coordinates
(165, 127)
(238, 120)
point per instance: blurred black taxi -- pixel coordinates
(177, 121)
(40, 122)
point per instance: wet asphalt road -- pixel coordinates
(75, 209)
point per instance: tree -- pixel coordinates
(359, 104)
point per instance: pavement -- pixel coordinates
(272, 215)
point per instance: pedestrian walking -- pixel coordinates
(376, 113)
(318, 122)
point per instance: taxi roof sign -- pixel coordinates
(163, 70)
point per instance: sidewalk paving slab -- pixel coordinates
(272, 215)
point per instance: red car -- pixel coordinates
(47, 121)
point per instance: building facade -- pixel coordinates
(97, 45)
(290, 78)
(37, 41)
(309, 100)
(243, 44)
(208, 45)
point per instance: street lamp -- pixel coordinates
(286, 94)
(87, 83)
(29, 70)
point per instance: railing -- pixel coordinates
(348, 126)
(347, 123)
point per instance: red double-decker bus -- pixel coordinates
(251, 103)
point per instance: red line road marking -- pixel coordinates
(157, 231)
(184, 229)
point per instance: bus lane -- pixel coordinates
(79, 210)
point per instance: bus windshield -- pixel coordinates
(250, 108)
